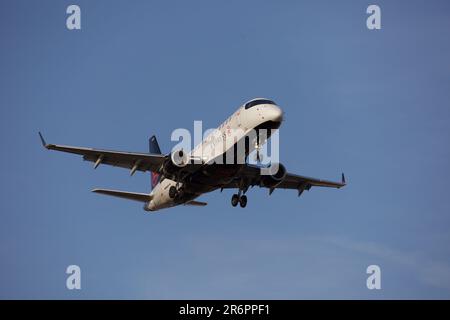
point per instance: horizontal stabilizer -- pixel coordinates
(196, 203)
(141, 197)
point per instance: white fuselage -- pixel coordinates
(236, 127)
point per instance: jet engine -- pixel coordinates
(177, 160)
(275, 179)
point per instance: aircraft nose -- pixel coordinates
(276, 114)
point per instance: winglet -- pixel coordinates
(343, 178)
(42, 140)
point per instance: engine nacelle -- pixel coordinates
(177, 160)
(275, 179)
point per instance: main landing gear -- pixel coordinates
(242, 200)
(176, 190)
(240, 197)
(173, 192)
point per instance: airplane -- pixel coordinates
(174, 184)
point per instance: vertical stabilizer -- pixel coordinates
(153, 147)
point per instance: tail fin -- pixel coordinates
(153, 147)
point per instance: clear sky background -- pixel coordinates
(374, 104)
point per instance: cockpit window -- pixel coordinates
(258, 102)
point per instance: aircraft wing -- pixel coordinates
(252, 174)
(293, 181)
(131, 160)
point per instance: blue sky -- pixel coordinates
(374, 104)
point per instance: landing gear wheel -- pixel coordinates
(172, 192)
(243, 201)
(234, 200)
